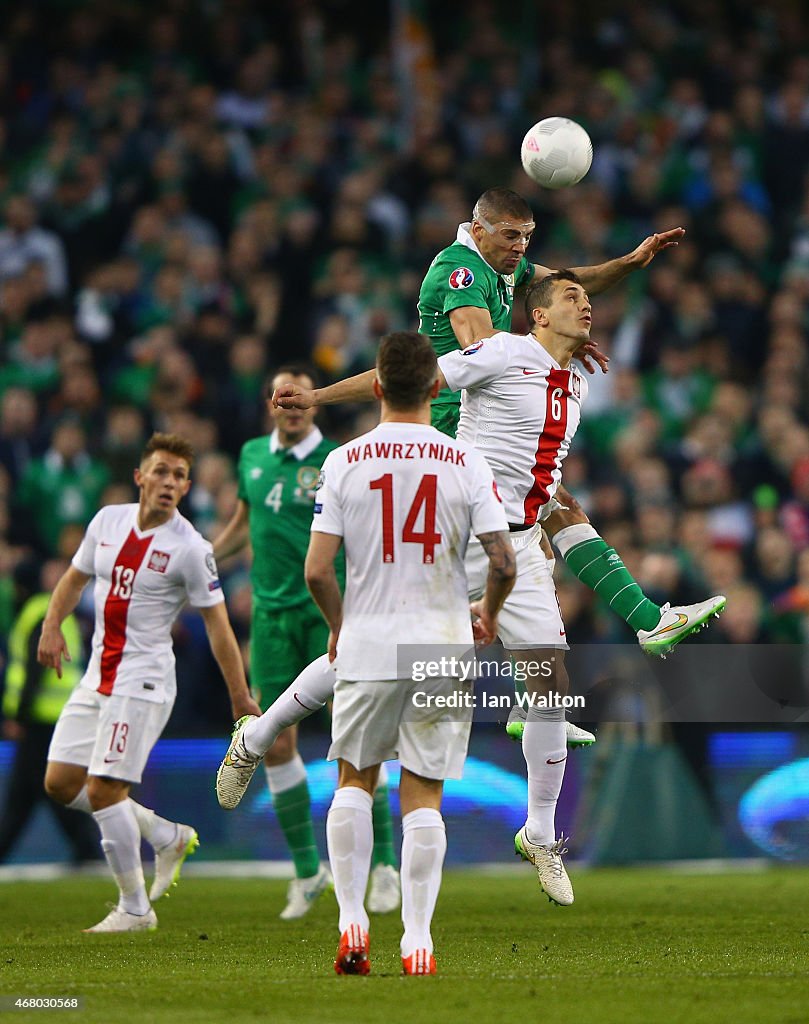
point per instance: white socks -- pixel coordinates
(81, 802)
(281, 777)
(544, 747)
(424, 843)
(350, 838)
(308, 692)
(157, 831)
(570, 536)
(120, 841)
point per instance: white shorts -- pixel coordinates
(374, 721)
(531, 617)
(110, 736)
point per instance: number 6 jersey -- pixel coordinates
(405, 498)
(142, 580)
(520, 410)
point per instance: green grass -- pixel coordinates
(639, 945)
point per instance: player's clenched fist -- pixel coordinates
(293, 396)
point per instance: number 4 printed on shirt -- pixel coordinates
(426, 496)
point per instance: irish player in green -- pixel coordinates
(467, 295)
(278, 476)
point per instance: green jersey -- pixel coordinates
(459, 276)
(278, 485)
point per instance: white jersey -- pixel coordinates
(405, 498)
(520, 409)
(142, 580)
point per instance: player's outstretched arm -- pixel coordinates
(603, 276)
(236, 534)
(321, 579)
(225, 649)
(52, 645)
(353, 389)
(502, 573)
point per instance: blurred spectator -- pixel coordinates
(23, 243)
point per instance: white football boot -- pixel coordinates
(385, 894)
(303, 892)
(120, 921)
(237, 768)
(678, 622)
(547, 860)
(169, 860)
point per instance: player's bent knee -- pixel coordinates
(103, 792)
(562, 518)
(63, 783)
(283, 750)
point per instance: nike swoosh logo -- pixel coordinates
(561, 632)
(549, 761)
(682, 619)
(104, 544)
(111, 760)
(530, 373)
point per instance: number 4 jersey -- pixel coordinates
(142, 580)
(405, 498)
(520, 410)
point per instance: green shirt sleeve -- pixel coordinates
(524, 273)
(464, 286)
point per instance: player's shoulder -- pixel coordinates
(255, 447)
(458, 256)
(112, 515)
(186, 534)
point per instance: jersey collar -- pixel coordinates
(464, 237)
(301, 449)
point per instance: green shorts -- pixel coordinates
(445, 418)
(282, 644)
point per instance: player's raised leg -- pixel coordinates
(600, 567)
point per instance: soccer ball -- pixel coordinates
(556, 152)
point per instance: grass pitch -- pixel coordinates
(638, 945)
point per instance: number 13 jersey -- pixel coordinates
(142, 580)
(405, 498)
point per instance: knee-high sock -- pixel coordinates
(307, 693)
(349, 833)
(544, 747)
(120, 841)
(155, 830)
(383, 823)
(600, 568)
(81, 802)
(424, 843)
(289, 790)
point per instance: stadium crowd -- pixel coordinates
(193, 194)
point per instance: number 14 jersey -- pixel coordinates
(405, 498)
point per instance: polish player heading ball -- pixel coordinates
(556, 152)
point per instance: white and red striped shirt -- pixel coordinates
(520, 410)
(142, 581)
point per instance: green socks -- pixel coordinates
(600, 568)
(383, 823)
(293, 809)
